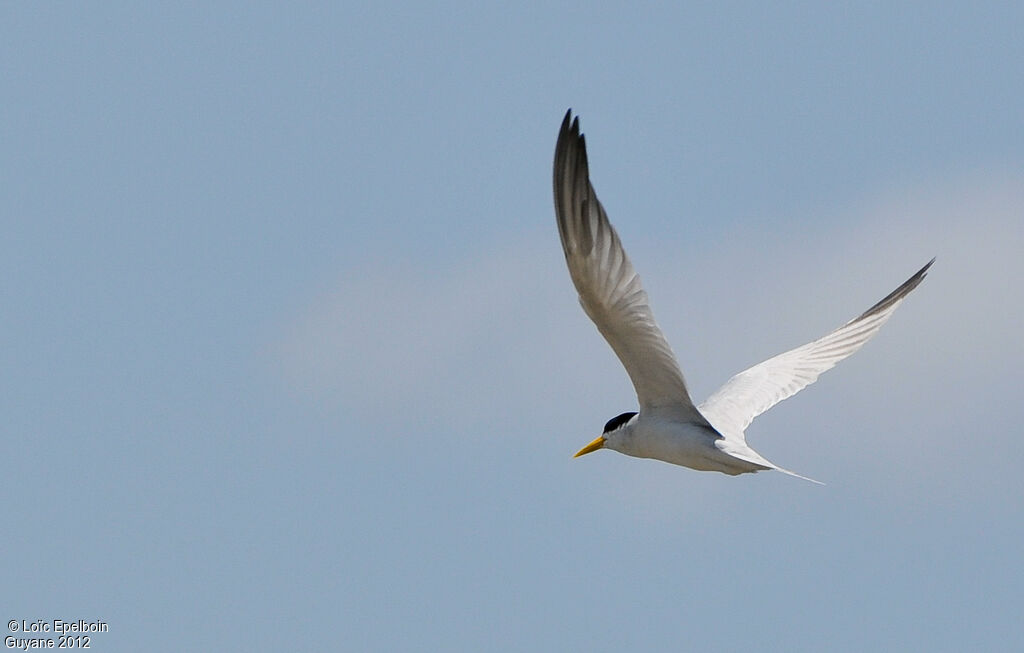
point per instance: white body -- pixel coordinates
(652, 434)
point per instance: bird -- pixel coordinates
(668, 426)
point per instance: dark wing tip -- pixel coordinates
(570, 127)
(913, 282)
(570, 168)
(577, 209)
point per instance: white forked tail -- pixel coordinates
(743, 451)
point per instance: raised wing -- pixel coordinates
(609, 288)
(748, 394)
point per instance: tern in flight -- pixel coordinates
(669, 427)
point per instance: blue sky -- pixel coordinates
(291, 358)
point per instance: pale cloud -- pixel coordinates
(450, 342)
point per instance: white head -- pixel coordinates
(617, 432)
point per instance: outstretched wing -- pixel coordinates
(748, 394)
(609, 288)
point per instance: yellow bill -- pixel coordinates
(593, 446)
